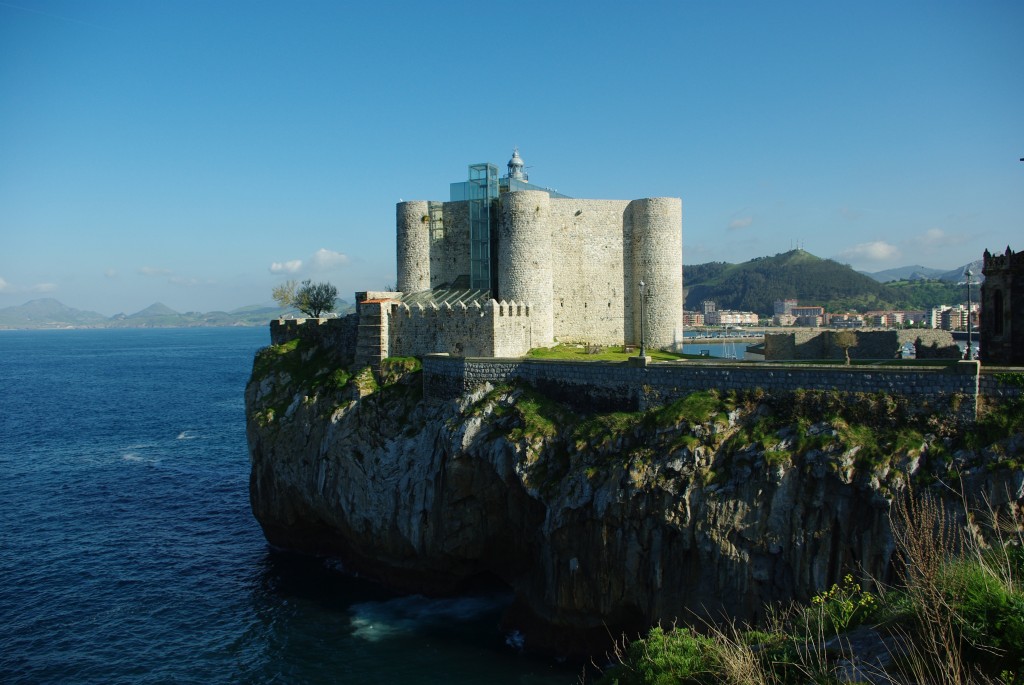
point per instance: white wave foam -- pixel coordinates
(376, 621)
(187, 435)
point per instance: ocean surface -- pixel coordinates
(128, 552)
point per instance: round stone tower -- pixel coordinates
(524, 259)
(413, 243)
(658, 262)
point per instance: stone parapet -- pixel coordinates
(338, 336)
(871, 344)
(610, 386)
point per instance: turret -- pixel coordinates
(413, 246)
(524, 258)
(658, 262)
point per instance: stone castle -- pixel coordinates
(1001, 331)
(505, 266)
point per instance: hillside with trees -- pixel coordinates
(756, 285)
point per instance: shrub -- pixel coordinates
(665, 658)
(841, 608)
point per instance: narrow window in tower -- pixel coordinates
(997, 307)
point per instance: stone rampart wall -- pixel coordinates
(1001, 383)
(871, 344)
(496, 328)
(337, 335)
(617, 386)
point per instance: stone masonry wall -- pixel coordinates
(617, 386)
(591, 273)
(449, 252)
(658, 263)
(871, 344)
(1001, 383)
(575, 260)
(492, 329)
(525, 258)
(337, 335)
(412, 245)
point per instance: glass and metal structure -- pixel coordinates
(482, 191)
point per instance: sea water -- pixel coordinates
(129, 554)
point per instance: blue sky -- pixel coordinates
(199, 153)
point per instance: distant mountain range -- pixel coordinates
(756, 285)
(923, 273)
(50, 313)
(749, 286)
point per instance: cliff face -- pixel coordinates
(706, 506)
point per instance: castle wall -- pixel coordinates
(658, 262)
(336, 335)
(449, 252)
(590, 270)
(817, 344)
(489, 330)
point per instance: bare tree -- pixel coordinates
(284, 294)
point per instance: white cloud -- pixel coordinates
(851, 213)
(6, 287)
(110, 273)
(741, 222)
(936, 237)
(289, 267)
(177, 280)
(875, 251)
(324, 259)
(154, 271)
(321, 260)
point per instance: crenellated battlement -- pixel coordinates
(999, 262)
(492, 309)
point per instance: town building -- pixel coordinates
(691, 319)
(785, 306)
(730, 317)
(809, 316)
(847, 320)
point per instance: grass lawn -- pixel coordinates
(611, 353)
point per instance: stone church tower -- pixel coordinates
(1001, 337)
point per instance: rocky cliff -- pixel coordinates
(715, 505)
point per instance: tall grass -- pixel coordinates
(956, 616)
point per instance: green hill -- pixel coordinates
(757, 284)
